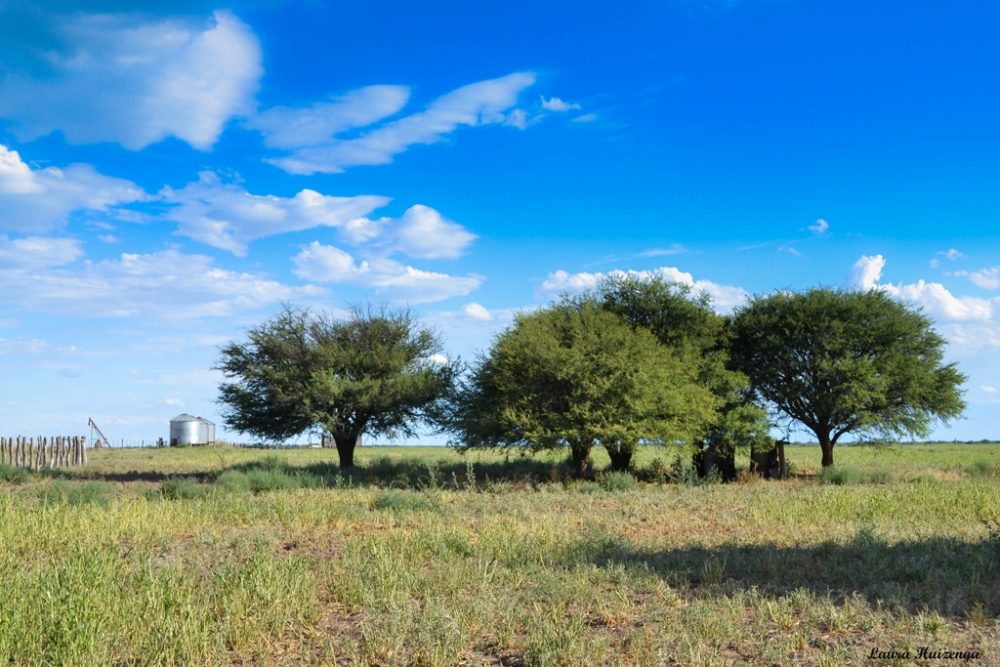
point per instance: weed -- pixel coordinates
(75, 493)
(12, 475)
(618, 481)
(403, 501)
(181, 488)
(849, 475)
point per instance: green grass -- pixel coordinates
(426, 557)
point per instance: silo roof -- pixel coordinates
(185, 418)
(202, 419)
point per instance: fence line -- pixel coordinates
(44, 453)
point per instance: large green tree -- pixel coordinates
(846, 362)
(683, 319)
(373, 371)
(575, 375)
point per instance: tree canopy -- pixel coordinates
(576, 375)
(846, 362)
(370, 372)
(683, 319)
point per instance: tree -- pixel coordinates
(682, 319)
(370, 372)
(846, 362)
(574, 375)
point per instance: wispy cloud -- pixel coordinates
(40, 200)
(226, 216)
(674, 249)
(985, 278)
(821, 227)
(481, 103)
(391, 279)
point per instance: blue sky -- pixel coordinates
(170, 173)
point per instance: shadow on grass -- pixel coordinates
(942, 575)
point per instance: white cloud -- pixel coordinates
(985, 278)
(585, 118)
(790, 250)
(121, 79)
(477, 312)
(951, 254)
(422, 232)
(173, 401)
(821, 227)
(39, 200)
(227, 216)
(23, 346)
(865, 272)
(285, 127)
(556, 104)
(934, 298)
(518, 118)
(941, 304)
(988, 389)
(674, 249)
(724, 297)
(35, 252)
(391, 279)
(161, 285)
(108, 238)
(479, 103)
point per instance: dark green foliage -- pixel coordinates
(841, 362)
(848, 475)
(75, 493)
(575, 375)
(618, 481)
(11, 475)
(403, 501)
(683, 320)
(182, 488)
(983, 469)
(371, 372)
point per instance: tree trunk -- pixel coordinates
(621, 459)
(581, 457)
(345, 449)
(827, 448)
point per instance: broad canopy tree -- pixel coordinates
(682, 319)
(373, 372)
(576, 375)
(846, 362)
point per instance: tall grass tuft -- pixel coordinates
(11, 475)
(849, 475)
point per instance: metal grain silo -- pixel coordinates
(208, 430)
(187, 430)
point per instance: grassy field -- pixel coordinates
(220, 556)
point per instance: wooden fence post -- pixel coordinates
(83, 448)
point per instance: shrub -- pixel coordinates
(233, 481)
(13, 475)
(402, 500)
(177, 488)
(75, 493)
(982, 469)
(849, 475)
(618, 481)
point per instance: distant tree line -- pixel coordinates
(634, 361)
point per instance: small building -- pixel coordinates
(188, 430)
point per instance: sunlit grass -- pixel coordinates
(220, 556)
